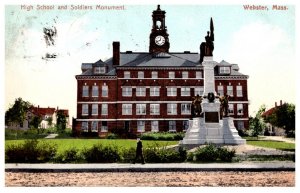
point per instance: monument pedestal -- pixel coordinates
(210, 129)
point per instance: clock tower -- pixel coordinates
(159, 38)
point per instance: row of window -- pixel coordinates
(95, 125)
(155, 91)
(141, 109)
(95, 91)
(171, 75)
(102, 125)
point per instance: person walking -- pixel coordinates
(139, 151)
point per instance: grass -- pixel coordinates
(64, 144)
(273, 144)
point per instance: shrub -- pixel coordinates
(128, 155)
(206, 154)
(243, 133)
(46, 151)
(225, 154)
(31, 151)
(112, 136)
(163, 136)
(157, 154)
(102, 154)
(71, 155)
(211, 153)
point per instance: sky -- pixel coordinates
(261, 42)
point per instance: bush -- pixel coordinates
(112, 136)
(31, 151)
(211, 153)
(225, 154)
(46, 151)
(157, 154)
(163, 136)
(71, 155)
(128, 155)
(102, 154)
(243, 133)
(207, 153)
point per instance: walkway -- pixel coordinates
(165, 167)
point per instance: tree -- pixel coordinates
(284, 117)
(49, 121)
(257, 124)
(36, 121)
(17, 112)
(61, 121)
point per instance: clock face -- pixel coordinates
(160, 40)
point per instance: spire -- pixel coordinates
(212, 36)
(158, 7)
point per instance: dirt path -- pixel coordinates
(151, 179)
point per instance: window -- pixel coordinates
(185, 124)
(127, 91)
(198, 74)
(185, 74)
(94, 109)
(172, 109)
(240, 109)
(104, 90)
(141, 74)
(239, 91)
(141, 126)
(95, 91)
(141, 109)
(126, 74)
(171, 74)
(94, 126)
(140, 91)
(230, 90)
(199, 90)
(85, 126)
(154, 91)
(104, 109)
(126, 109)
(221, 90)
(154, 126)
(240, 125)
(186, 109)
(172, 91)
(85, 109)
(172, 126)
(104, 126)
(185, 91)
(224, 70)
(154, 109)
(100, 70)
(230, 109)
(85, 91)
(154, 74)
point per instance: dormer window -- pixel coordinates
(224, 70)
(100, 70)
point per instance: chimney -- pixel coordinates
(280, 102)
(275, 104)
(116, 53)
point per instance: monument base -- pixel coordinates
(200, 133)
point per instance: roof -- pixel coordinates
(142, 59)
(146, 59)
(43, 111)
(269, 112)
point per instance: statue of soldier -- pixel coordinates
(196, 106)
(224, 105)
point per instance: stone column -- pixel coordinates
(209, 75)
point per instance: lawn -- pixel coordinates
(64, 144)
(273, 144)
